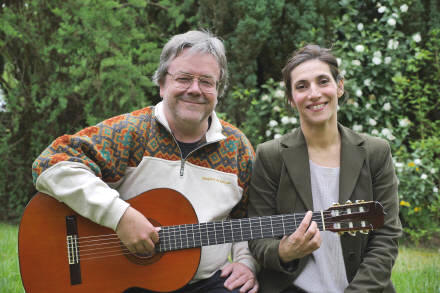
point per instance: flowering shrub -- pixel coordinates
(392, 81)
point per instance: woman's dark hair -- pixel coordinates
(309, 52)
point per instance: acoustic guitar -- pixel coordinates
(61, 251)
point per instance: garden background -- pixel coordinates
(68, 64)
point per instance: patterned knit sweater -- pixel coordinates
(95, 170)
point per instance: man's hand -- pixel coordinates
(136, 232)
(302, 242)
(239, 275)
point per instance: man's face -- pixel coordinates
(191, 106)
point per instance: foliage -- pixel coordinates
(70, 64)
(390, 78)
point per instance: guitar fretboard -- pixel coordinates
(228, 231)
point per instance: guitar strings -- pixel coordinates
(99, 249)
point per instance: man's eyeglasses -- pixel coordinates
(183, 81)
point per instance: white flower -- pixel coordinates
(432, 171)
(377, 54)
(285, 120)
(279, 93)
(404, 8)
(391, 137)
(356, 105)
(372, 122)
(404, 122)
(385, 132)
(359, 48)
(343, 72)
(417, 37)
(293, 120)
(265, 98)
(367, 82)
(282, 84)
(357, 127)
(277, 108)
(391, 22)
(424, 176)
(399, 165)
(435, 189)
(387, 60)
(273, 123)
(417, 162)
(339, 61)
(382, 9)
(377, 60)
(393, 44)
(356, 62)
(358, 93)
(277, 135)
(368, 105)
(360, 26)
(387, 106)
(374, 132)
(268, 133)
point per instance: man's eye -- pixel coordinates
(207, 82)
(299, 86)
(183, 79)
(324, 81)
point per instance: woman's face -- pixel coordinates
(315, 93)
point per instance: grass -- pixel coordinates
(10, 280)
(416, 269)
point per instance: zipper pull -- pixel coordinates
(182, 164)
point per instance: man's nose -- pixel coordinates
(195, 86)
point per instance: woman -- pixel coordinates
(317, 164)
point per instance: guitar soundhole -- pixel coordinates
(143, 258)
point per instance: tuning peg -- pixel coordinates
(360, 200)
(363, 231)
(335, 204)
(348, 202)
(341, 233)
(352, 233)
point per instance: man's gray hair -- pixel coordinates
(197, 42)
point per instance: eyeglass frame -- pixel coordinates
(194, 77)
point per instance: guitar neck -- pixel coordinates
(235, 230)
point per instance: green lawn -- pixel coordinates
(416, 270)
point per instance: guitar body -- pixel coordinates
(44, 259)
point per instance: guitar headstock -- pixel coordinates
(361, 216)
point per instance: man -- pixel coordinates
(180, 144)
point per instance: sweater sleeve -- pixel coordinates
(76, 169)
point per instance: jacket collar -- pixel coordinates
(214, 132)
(296, 159)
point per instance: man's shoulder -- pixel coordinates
(231, 130)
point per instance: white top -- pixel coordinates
(325, 269)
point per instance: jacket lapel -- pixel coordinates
(296, 159)
(353, 155)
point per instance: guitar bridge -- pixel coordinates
(73, 250)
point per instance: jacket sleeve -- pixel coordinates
(374, 273)
(76, 169)
(262, 202)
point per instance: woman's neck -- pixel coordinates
(323, 144)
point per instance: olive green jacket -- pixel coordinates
(280, 184)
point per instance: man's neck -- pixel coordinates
(189, 132)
